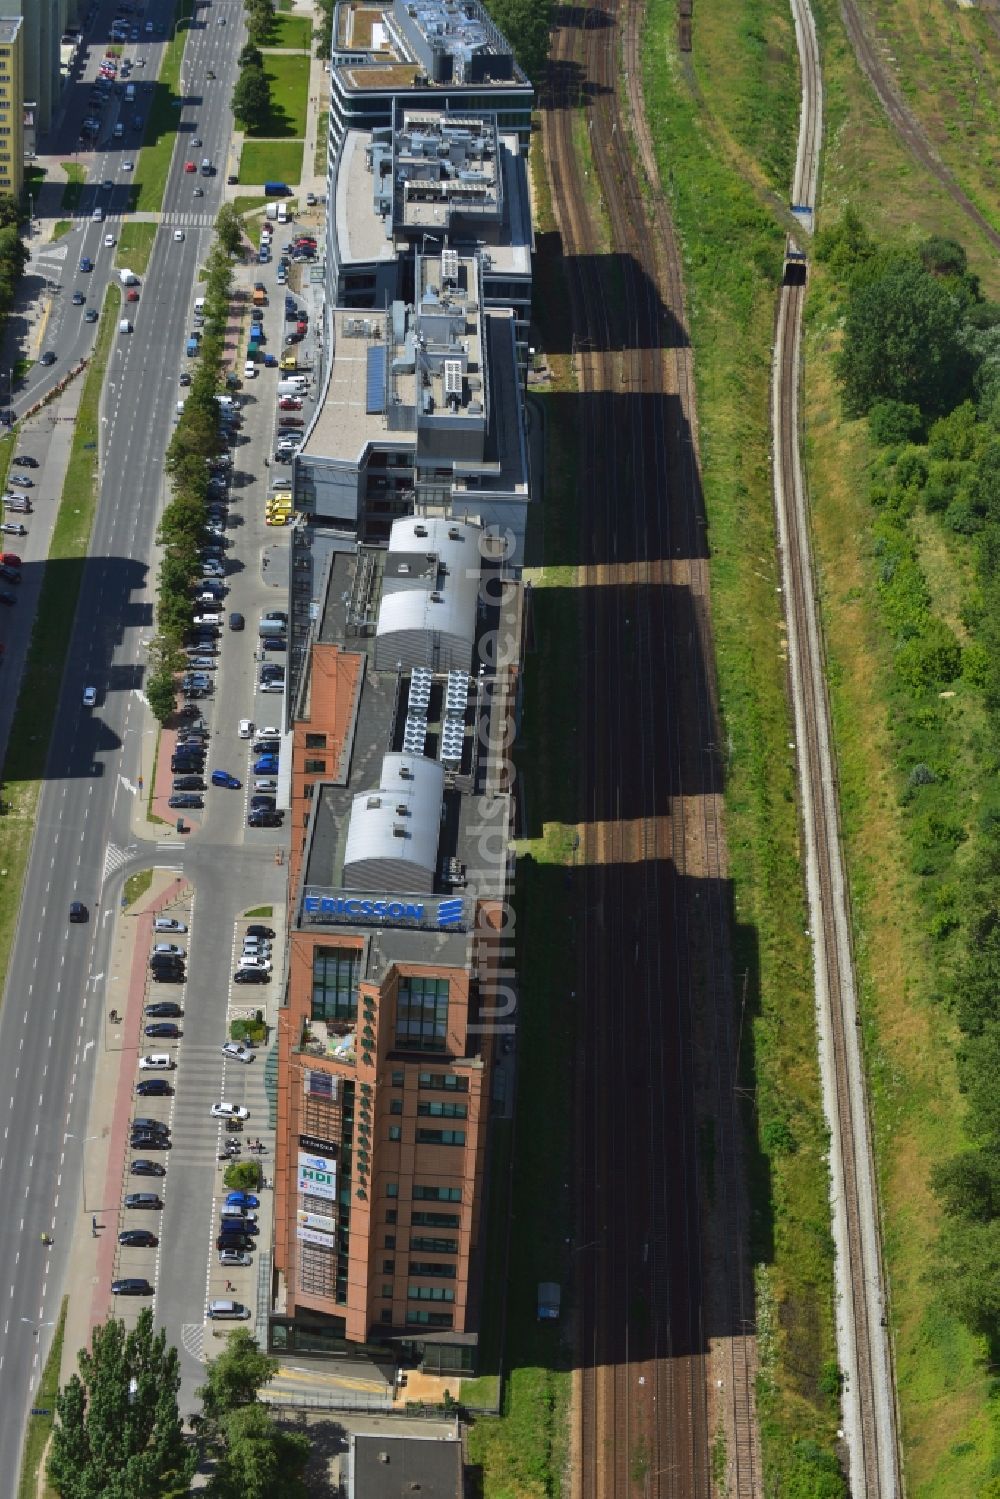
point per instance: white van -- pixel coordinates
(199, 304)
(124, 326)
(232, 1311)
(130, 93)
(98, 215)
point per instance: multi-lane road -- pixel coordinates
(51, 1016)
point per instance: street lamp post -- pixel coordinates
(87, 1140)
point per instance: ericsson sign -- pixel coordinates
(322, 909)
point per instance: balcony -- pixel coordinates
(336, 1039)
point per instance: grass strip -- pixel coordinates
(76, 176)
(38, 699)
(259, 912)
(40, 1426)
(322, 143)
(61, 227)
(135, 246)
(153, 165)
(732, 249)
(271, 161)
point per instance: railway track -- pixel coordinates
(664, 1318)
(869, 1409)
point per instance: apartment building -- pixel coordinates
(11, 105)
(43, 23)
(396, 991)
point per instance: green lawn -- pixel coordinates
(288, 76)
(61, 227)
(271, 161)
(135, 245)
(39, 695)
(291, 32)
(248, 206)
(153, 164)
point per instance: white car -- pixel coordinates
(169, 949)
(276, 685)
(128, 166)
(246, 728)
(251, 960)
(90, 697)
(238, 1050)
(211, 569)
(109, 240)
(242, 1214)
(267, 784)
(168, 924)
(268, 733)
(229, 1111)
(178, 234)
(157, 1061)
(249, 370)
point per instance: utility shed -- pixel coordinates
(393, 1467)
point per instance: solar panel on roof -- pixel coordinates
(375, 379)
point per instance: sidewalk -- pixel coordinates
(93, 1264)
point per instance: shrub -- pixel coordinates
(894, 422)
(931, 659)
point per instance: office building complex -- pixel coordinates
(437, 179)
(11, 105)
(421, 410)
(447, 51)
(397, 993)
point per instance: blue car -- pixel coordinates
(223, 778)
(266, 765)
(242, 1200)
(86, 265)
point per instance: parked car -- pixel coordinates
(131, 1286)
(242, 1200)
(142, 1167)
(229, 1111)
(138, 1238)
(238, 1050)
(165, 1029)
(153, 1087)
(251, 976)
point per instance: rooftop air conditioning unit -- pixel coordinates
(421, 531)
(373, 802)
(402, 810)
(437, 598)
(398, 831)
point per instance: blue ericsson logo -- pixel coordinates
(443, 914)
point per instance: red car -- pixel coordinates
(301, 327)
(189, 166)
(10, 559)
(133, 296)
(289, 403)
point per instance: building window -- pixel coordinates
(395, 1106)
(385, 1315)
(315, 741)
(391, 1216)
(335, 983)
(437, 1194)
(432, 1267)
(440, 1136)
(442, 1110)
(395, 1132)
(397, 1079)
(433, 1246)
(430, 1319)
(443, 1082)
(390, 1241)
(435, 1220)
(429, 1293)
(388, 1268)
(315, 767)
(387, 1292)
(422, 1014)
(392, 1190)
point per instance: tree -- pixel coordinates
(118, 1432)
(10, 210)
(250, 57)
(236, 1376)
(967, 1185)
(251, 102)
(259, 1460)
(229, 226)
(902, 341)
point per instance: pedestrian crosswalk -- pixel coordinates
(188, 220)
(114, 858)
